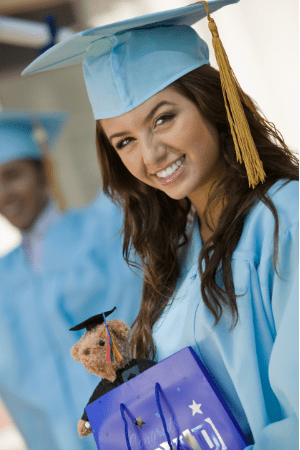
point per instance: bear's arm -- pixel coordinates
(101, 389)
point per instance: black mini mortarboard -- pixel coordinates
(93, 321)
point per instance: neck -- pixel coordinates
(208, 214)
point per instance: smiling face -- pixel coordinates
(167, 144)
(23, 192)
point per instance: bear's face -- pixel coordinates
(92, 348)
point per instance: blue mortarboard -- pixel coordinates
(127, 62)
(22, 130)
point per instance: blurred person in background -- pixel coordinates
(68, 267)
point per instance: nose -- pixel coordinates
(154, 151)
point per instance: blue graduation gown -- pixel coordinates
(255, 366)
(83, 274)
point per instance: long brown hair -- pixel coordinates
(155, 224)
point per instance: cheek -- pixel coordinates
(204, 147)
(134, 163)
(24, 187)
(32, 192)
(188, 136)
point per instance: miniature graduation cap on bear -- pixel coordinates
(126, 63)
(93, 321)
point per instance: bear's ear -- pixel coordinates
(120, 329)
(75, 351)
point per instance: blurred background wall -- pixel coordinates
(261, 38)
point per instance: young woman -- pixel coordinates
(68, 267)
(220, 258)
(210, 199)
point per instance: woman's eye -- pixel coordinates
(123, 143)
(163, 119)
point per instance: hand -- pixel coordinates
(84, 428)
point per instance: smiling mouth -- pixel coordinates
(166, 176)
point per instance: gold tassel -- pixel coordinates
(49, 165)
(243, 142)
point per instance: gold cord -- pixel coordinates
(243, 142)
(49, 165)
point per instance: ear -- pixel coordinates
(120, 329)
(75, 351)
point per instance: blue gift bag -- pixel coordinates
(174, 404)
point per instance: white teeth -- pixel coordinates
(162, 174)
(171, 169)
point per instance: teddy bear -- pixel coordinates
(104, 350)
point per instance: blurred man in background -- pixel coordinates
(68, 267)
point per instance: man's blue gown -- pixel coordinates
(82, 273)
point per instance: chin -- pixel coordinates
(177, 196)
(24, 224)
(181, 192)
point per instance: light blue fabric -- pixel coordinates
(255, 366)
(17, 138)
(33, 239)
(126, 63)
(83, 274)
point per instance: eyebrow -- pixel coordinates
(149, 117)
(153, 111)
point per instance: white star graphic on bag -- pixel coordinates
(196, 408)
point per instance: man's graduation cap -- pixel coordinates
(27, 134)
(21, 133)
(126, 63)
(93, 321)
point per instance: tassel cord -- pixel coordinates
(244, 145)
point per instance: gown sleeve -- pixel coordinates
(283, 366)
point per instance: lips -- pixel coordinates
(173, 174)
(170, 169)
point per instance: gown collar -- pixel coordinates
(194, 246)
(47, 217)
(32, 242)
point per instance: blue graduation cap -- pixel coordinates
(27, 134)
(126, 63)
(24, 133)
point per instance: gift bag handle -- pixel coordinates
(158, 390)
(122, 409)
